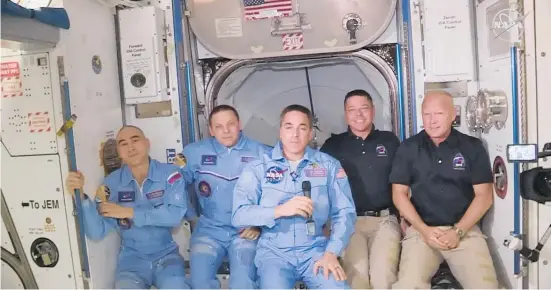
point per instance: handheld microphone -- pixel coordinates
(310, 225)
(307, 188)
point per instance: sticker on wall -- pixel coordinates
(170, 156)
(36, 231)
(264, 9)
(96, 64)
(500, 177)
(457, 121)
(330, 43)
(109, 134)
(228, 27)
(39, 122)
(293, 41)
(257, 49)
(49, 227)
(12, 86)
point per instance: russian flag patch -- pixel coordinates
(174, 177)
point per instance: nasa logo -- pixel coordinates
(381, 150)
(204, 189)
(274, 175)
(459, 162)
(507, 24)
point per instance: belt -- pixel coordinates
(374, 213)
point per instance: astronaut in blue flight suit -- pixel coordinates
(213, 167)
(269, 194)
(147, 200)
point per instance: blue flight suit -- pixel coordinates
(214, 169)
(286, 253)
(148, 255)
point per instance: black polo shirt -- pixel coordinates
(367, 163)
(441, 178)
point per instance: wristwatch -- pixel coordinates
(459, 232)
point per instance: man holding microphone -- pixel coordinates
(290, 193)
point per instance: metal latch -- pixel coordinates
(295, 23)
(352, 22)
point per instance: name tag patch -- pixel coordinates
(127, 196)
(247, 159)
(208, 159)
(155, 194)
(315, 172)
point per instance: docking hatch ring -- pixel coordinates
(383, 67)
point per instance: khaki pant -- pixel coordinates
(371, 258)
(471, 263)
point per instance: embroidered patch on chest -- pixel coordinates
(381, 150)
(126, 196)
(274, 174)
(155, 194)
(459, 162)
(315, 172)
(208, 159)
(204, 189)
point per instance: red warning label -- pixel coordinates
(39, 122)
(293, 41)
(11, 80)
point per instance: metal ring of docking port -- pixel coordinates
(379, 63)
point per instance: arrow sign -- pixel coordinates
(24, 204)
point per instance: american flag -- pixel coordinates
(261, 9)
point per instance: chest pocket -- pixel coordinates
(215, 191)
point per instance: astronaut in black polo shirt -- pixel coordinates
(450, 178)
(365, 153)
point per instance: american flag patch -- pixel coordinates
(262, 9)
(174, 177)
(341, 173)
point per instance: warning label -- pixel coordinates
(293, 41)
(11, 80)
(39, 122)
